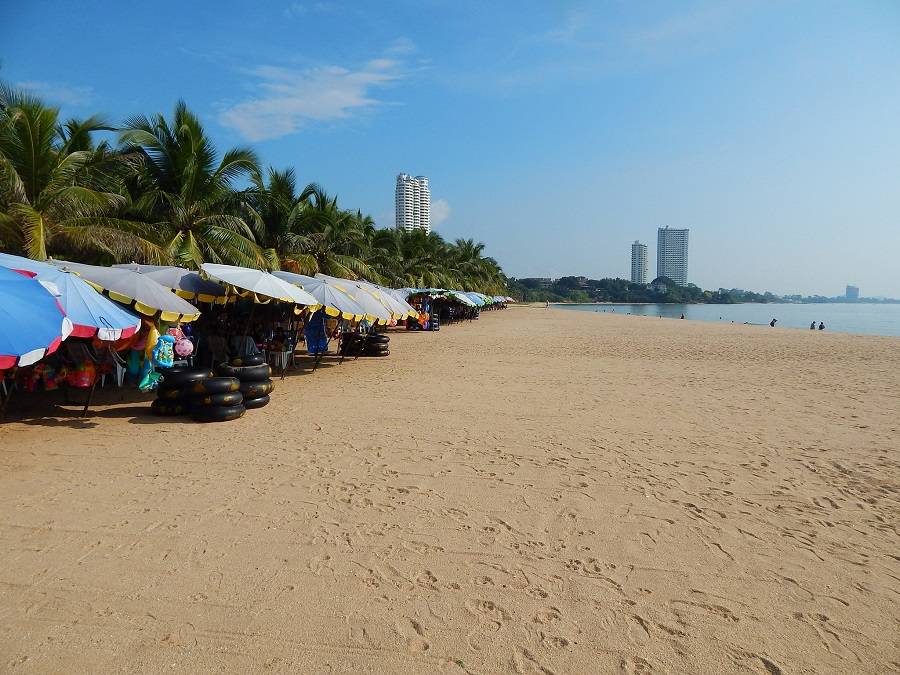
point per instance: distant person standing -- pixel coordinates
(547, 305)
(821, 326)
(682, 316)
(773, 322)
(812, 326)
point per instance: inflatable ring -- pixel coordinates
(384, 353)
(228, 398)
(183, 377)
(379, 339)
(376, 350)
(165, 393)
(256, 373)
(167, 408)
(223, 413)
(258, 402)
(250, 360)
(256, 389)
(214, 385)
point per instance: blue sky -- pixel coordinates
(555, 132)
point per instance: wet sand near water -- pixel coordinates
(539, 491)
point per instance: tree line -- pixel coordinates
(161, 193)
(660, 290)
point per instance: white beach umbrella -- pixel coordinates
(260, 285)
(135, 290)
(336, 301)
(373, 306)
(184, 283)
(400, 309)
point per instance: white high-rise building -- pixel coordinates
(412, 203)
(672, 255)
(638, 263)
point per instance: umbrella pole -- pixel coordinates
(90, 395)
(8, 394)
(362, 345)
(250, 319)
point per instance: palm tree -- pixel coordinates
(275, 209)
(59, 193)
(333, 242)
(188, 193)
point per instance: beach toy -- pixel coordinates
(218, 413)
(164, 352)
(249, 360)
(259, 402)
(215, 385)
(256, 389)
(184, 347)
(246, 373)
(228, 398)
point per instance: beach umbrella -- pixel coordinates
(462, 298)
(403, 304)
(474, 297)
(32, 323)
(91, 314)
(336, 300)
(399, 309)
(184, 283)
(259, 285)
(138, 291)
(375, 309)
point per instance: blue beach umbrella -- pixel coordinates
(476, 298)
(32, 324)
(91, 314)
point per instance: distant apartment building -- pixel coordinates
(672, 254)
(412, 203)
(638, 263)
(852, 293)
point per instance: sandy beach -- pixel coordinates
(540, 491)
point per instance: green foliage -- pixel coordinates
(661, 290)
(166, 196)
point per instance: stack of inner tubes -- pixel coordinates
(373, 344)
(351, 344)
(254, 378)
(215, 399)
(376, 345)
(171, 395)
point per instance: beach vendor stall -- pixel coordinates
(338, 303)
(32, 325)
(97, 323)
(160, 309)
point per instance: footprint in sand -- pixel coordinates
(414, 633)
(483, 634)
(487, 609)
(636, 665)
(526, 662)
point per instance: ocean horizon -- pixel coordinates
(861, 318)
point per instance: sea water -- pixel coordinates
(866, 318)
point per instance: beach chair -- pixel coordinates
(118, 367)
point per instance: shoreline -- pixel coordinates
(531, 490)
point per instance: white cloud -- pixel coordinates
(706, 20)
(62, 94)
(296, 9)
(440, 211)
(286, 98)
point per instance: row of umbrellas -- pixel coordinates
(470, 298)
(45, 302)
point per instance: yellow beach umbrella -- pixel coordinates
(138, 291)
